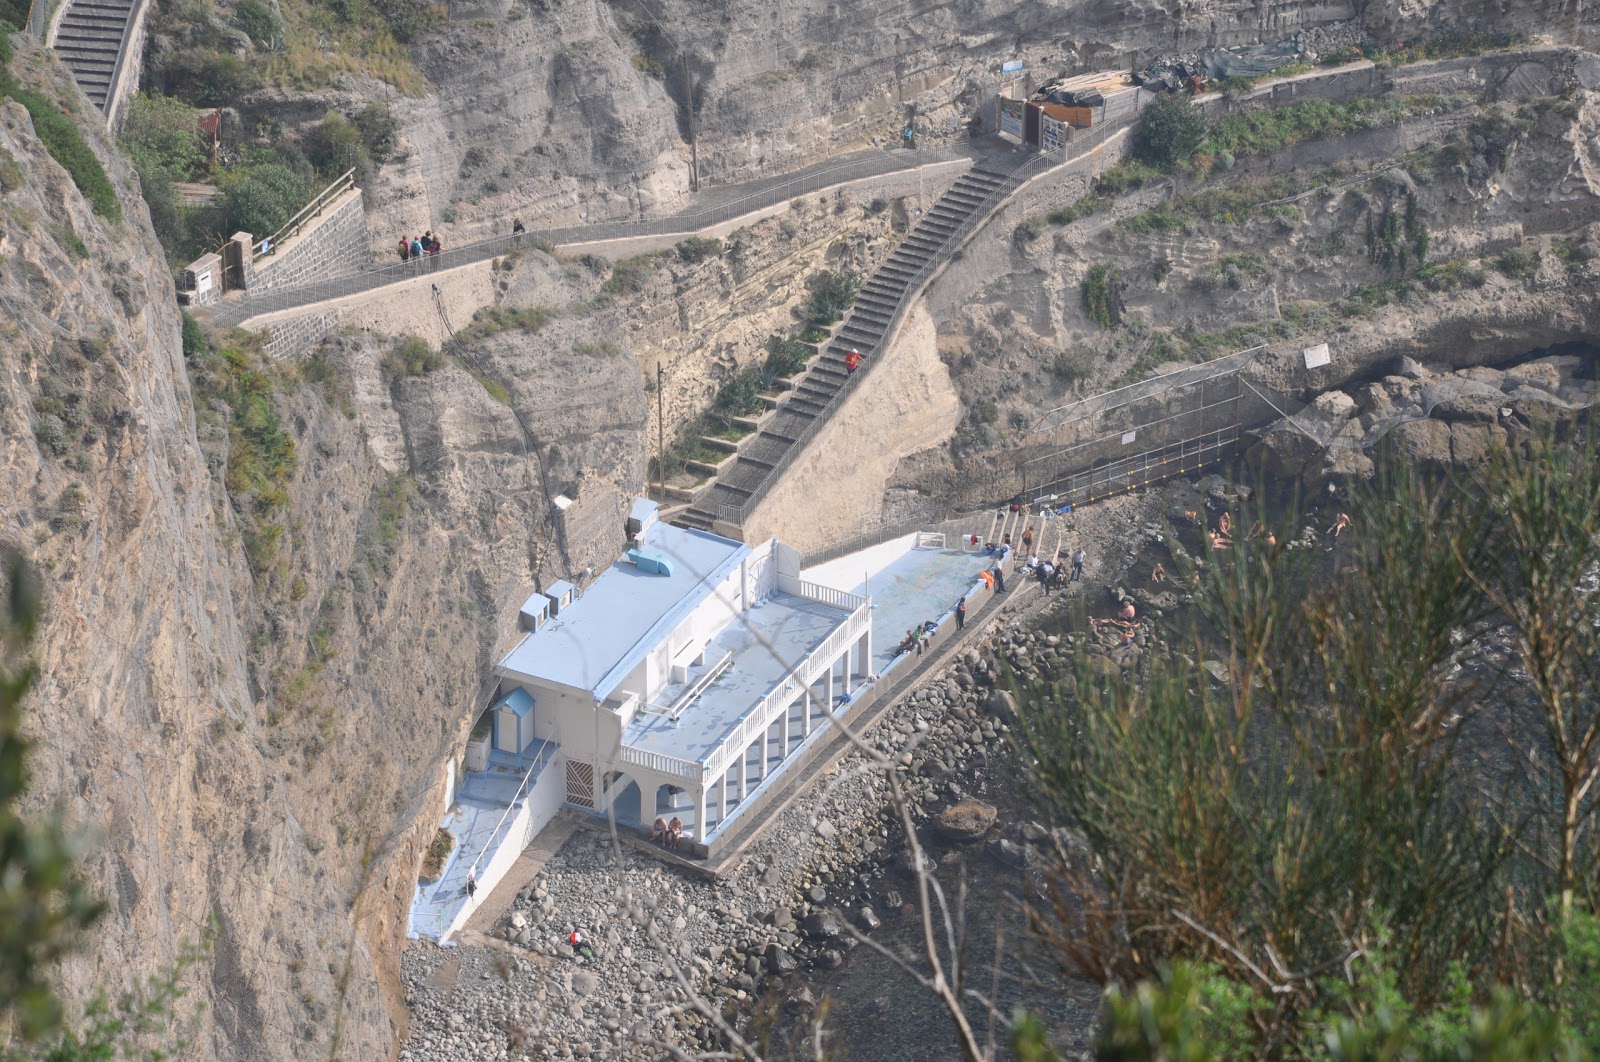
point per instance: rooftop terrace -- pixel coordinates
(908, 585)
(767, 642)
(597, 640)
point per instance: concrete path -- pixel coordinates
(528, 864)
(709, 206)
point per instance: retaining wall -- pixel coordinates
(334, 244)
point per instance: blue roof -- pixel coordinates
(642, 509)
(626, 612)
(518, 700)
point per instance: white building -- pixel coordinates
(684, 678)
(683, 681)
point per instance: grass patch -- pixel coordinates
(492, 320)
(1518, 264)
(696, 249)
(1099, 299)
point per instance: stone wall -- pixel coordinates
(295, 337)
(332, 245)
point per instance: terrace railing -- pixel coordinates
(304, 215)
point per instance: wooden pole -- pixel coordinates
(661, 430)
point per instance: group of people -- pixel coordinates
(418, 247)
(916, 639)
(667, 834)
(1126, 620)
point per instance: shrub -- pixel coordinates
(1083, 208)
(409, 19)
(1517, 264)
(1074, 364)
(696, 249)
(258, 21)
(1097, 295)
(785, 357)
(741, 396)
(335, 146)
(1171, 130)
(10, 172)
(206, 78)
(831, 295)
(379, 130)
(160, 135)
(195, 343)
(412, 357)
(261, 199)
(629, 275)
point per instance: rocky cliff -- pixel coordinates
(273, 593)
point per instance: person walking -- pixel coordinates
(472, 881)
(852, 362)
(999, 579)
(517, 229)
(416, 248)
(1077, 564)
(1027, 540)
(961, 614)
(405, 249)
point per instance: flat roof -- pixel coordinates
(600, 638)
(767, 642)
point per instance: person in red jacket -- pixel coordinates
(852, 362)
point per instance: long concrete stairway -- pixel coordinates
(867, 328)
(89, 40)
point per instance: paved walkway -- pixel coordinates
(709, 206)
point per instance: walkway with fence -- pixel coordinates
(711, 206)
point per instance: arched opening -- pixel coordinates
(627, 803)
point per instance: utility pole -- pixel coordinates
(661, 430)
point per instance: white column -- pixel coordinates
(700, 813)
(805, 728)
(829, 689)
(744, 781)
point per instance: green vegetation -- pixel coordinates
(495, 388)
(629, 275)
(1451, 44)
(695, 249)
(492, 320)
(1572, 253)
(785, 357)
(1171, 130)
(1263, 131)
(831, 295)
(62, 138)
(233, 386)
(259, 200)
(411, 357)
(1518, 264)
(1099, 296)
(1073, 364)
(1447, 276)
(381, 527)
(338, 144)
(1306, 858)
(650, 67)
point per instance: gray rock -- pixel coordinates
(780, 961)
(817, 894)
(823, 925)
(584, 983)
(869, 918)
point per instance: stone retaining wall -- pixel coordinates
(333, 245)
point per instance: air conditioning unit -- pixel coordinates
(535, 612)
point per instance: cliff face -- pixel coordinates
(251, 728)
(577, 107)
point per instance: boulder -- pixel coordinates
(1460, 398)
(780, 962)
(583, 983)
(869, 918)
(966, 820)
(825, 924)
(1424, 443)
(1001, 705)
(1335, 404)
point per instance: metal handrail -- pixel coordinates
(735, 514)
(533, 768)
(340, 185)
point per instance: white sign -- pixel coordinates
(202, 282)
(1128, 437)
(1317, 356)
(1011, 67)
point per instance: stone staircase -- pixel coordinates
(866, 328)
(89, 40)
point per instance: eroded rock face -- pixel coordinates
(260, 748)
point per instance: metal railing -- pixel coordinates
(859, 166)
(788, 584)
(340, 185)
(541, 759)
(135, 10)
(1147, 468)
(735, 514)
